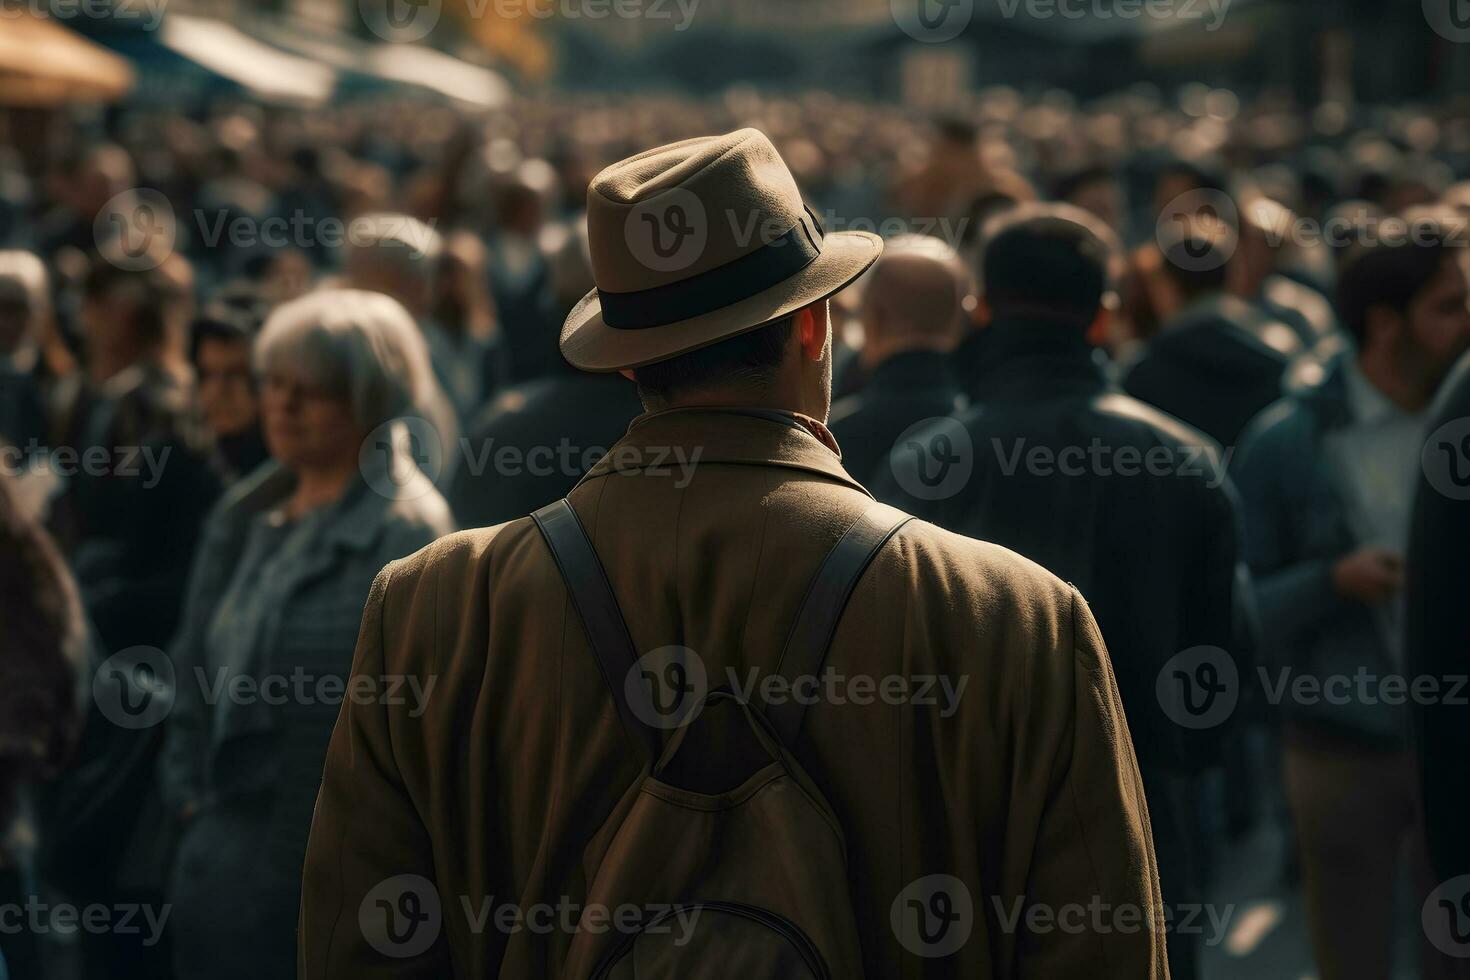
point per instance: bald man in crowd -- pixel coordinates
(912, 312)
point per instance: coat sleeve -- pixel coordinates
(369, 906)
(1292, 593)
(1092, 906)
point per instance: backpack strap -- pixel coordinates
(602, 620)
(806, 644)
(826, 597)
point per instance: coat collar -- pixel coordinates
(1022, 358)
(751, 436)
(922, 370)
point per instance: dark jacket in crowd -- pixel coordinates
(251, 765)
(1297, 524)
(1025, 788)
(520, 285)
(130, 514)
(904, 390)
(1438, 640)
(1130, 506)
(535, 440)
(1302, 308)
(1213, 367)
(23, 411)
(238, 454)
(43, 651)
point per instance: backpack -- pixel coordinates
(727, 849)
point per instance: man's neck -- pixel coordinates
(1394, 386)
(771, 399)
(318, 486)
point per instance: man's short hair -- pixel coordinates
(1393, 268)
(746, 360)
(1053, 260)
(1204, 175)
(229, 318)
(1074, 182)
(1196, 254)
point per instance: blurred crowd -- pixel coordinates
(250, 356)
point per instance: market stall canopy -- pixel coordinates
(45, 64)
(258, 68)
(391, 63)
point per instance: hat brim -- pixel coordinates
(589, 344)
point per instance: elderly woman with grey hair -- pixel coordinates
(271, 619)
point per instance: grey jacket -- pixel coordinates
(252, 765)
(1296, 526)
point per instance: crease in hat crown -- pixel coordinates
(743, 188)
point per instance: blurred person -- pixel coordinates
(26, 407)
(1253, 273)
(1327, 476)
(43, 651)
(132, 459)
(534, 441)
(83, 186)
(221, 341)
(520, 278)
(984, 207)
(969, 353)
(1438, 579)
(133, 455)
(276, 591)
(1096, 190)
(465, 310)
(398, 255)
(913, 315)
(1217, 361)
(1149, 292)
(518, 779)
(1153, 550)
(951, 176)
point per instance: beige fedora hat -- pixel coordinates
(698, 241)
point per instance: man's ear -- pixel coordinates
(980, 313)
(628, 373)
(1100, 327)
(812, 324)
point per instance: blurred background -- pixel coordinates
(177, 162)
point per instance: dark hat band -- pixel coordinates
(752, 273)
